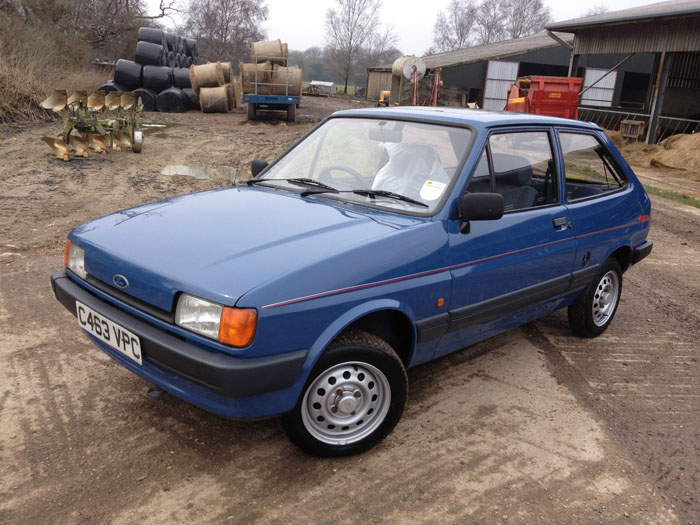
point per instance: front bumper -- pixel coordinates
(166, 355)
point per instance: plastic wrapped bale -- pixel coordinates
(214, 99)
(148, 98)
(157, 78)
(150, 54)
(172, 100)
(111, 85)
(206, 75)
(152, 35)
(171, 41)
(181, 77)
(128, 73)
(192, 99)
(170, 59)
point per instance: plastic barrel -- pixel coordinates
(181, 77)
(128, 73)
(192, 99)
(148, 98)
(152, 35)
(111, 85)
(172, 100)
(157, 78)
(149, 54)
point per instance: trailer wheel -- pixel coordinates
(251, 111)
(291, 113)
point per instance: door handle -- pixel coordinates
(558, 222)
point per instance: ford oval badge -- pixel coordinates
(120, 281)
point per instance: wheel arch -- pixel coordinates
(623, 255)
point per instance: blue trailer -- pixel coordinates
(269, 91)
(286, 103)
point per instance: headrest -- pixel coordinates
(517, 177)
(512, 169)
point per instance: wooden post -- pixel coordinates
(658, 97)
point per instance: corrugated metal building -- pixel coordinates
(665, 38)
(378, 80)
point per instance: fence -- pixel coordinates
(667, 126)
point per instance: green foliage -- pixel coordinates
(672, 195)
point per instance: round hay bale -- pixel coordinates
(285, 53)
(172, 100)
(283, 76)
(236, 85)
(192, 99)
(181, 77)
(150, 54)
(206, 75)
(152, 35)
(157, 78)
(271, 50)
(248, 77)
(128, 73)
(111, 85)
(214, 99)
(148, 98)
(227, 69)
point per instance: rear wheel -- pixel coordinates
(291, 113)
(251, 111)
(354, 397)
(594, 309)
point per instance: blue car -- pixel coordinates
(381, 240)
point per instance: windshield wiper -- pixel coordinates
(390, 195)
(301, 181)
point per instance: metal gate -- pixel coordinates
(499, 77)
(601, 94)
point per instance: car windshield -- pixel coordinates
(404, 166)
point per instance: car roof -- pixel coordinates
(476, 117)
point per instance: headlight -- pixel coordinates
(231, 326)
(74, 259)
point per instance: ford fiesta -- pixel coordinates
(381, 240)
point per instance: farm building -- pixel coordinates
(378, 80)
(648, 61)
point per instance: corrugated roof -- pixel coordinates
(495, 50)
(672, 9)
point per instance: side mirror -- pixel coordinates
(257, 166)
(479, 207)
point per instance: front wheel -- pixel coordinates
(354, 397)
(594, 309)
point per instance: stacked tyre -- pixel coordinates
(159, 74)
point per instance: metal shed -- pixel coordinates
(378, 80)
(665, 36)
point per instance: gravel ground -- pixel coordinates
(534, 425)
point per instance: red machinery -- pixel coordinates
(554, 96)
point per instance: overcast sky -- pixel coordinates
(300, 23)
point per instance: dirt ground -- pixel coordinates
(533, 426)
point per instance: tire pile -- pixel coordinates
(160, 73)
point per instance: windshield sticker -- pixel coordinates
(432, 190)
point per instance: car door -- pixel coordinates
(501, 266)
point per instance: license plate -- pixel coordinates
(109, 332)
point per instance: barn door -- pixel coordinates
(602, 93)
(499, 77)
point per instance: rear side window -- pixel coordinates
(519, 166)
(588, 167)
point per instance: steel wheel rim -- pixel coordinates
(346, 403)
(605, 298)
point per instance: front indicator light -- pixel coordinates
(237, 326)
(74, 259)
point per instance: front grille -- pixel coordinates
(125, 298)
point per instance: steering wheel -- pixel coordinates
(326, 174)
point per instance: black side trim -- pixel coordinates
(224, 374)
(642, 251)
(432, 327)
(584, 276)
(492, 308)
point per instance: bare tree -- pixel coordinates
(350, 27)
(597, 9)
(453, 27)
(491, 21)
(224, 29)
(526, 17)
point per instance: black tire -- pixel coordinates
(157, 78)
(172, 100)
(150, 54)
(370, 376)
(291, 113)
(148, 98)
(192, 99)
(152, 35)
(181, 77)
(127, 73)
(113, 86)
(252, 112)
(593, 311)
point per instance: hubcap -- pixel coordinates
(605, 299)
(346, 403)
